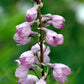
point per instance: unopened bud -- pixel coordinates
(39, 35)
(41, 5)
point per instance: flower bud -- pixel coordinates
(31, 14)
(52, 38)
(58, 21)
(46, 20)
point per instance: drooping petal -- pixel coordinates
(60, 71)
(31, 79)
(25, 41)
(46, 59)
(17, 38)
(59, 77)
(21, 41)
(21, 72)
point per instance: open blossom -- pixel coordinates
(22, 34)
(58, 21)
(36, 50)
(60, 71)
(27, 58)
(21, 72)
(31, 14)
(23, 29)
(52, 38)
(31, 79)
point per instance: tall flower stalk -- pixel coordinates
(41, 39)
(37, 57)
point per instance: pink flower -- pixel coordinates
(31, 14)
(22, 72)
(36, 50)
(41, 81)
(52, 38)
(23, 33)
(20, 40)
(58, 21)
(46, 20)
(27, 58)
(60, 71)
(23, 29)
(31, 79)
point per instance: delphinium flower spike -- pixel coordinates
(37, 59)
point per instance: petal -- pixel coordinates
(65, 69)
(21, 72)
(60, 78)
(41, 81)
(46, 59)
(31, 79)
(27, 58)
(58, 21)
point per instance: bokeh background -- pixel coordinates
(71, 53)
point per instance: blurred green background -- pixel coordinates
(71, 53)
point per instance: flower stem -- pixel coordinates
(41, 39)
(35, 73)
(48, 71)
(42, 1)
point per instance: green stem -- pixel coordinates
(35, 39)
(35, 73)
(48, 71)
(42, 1)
